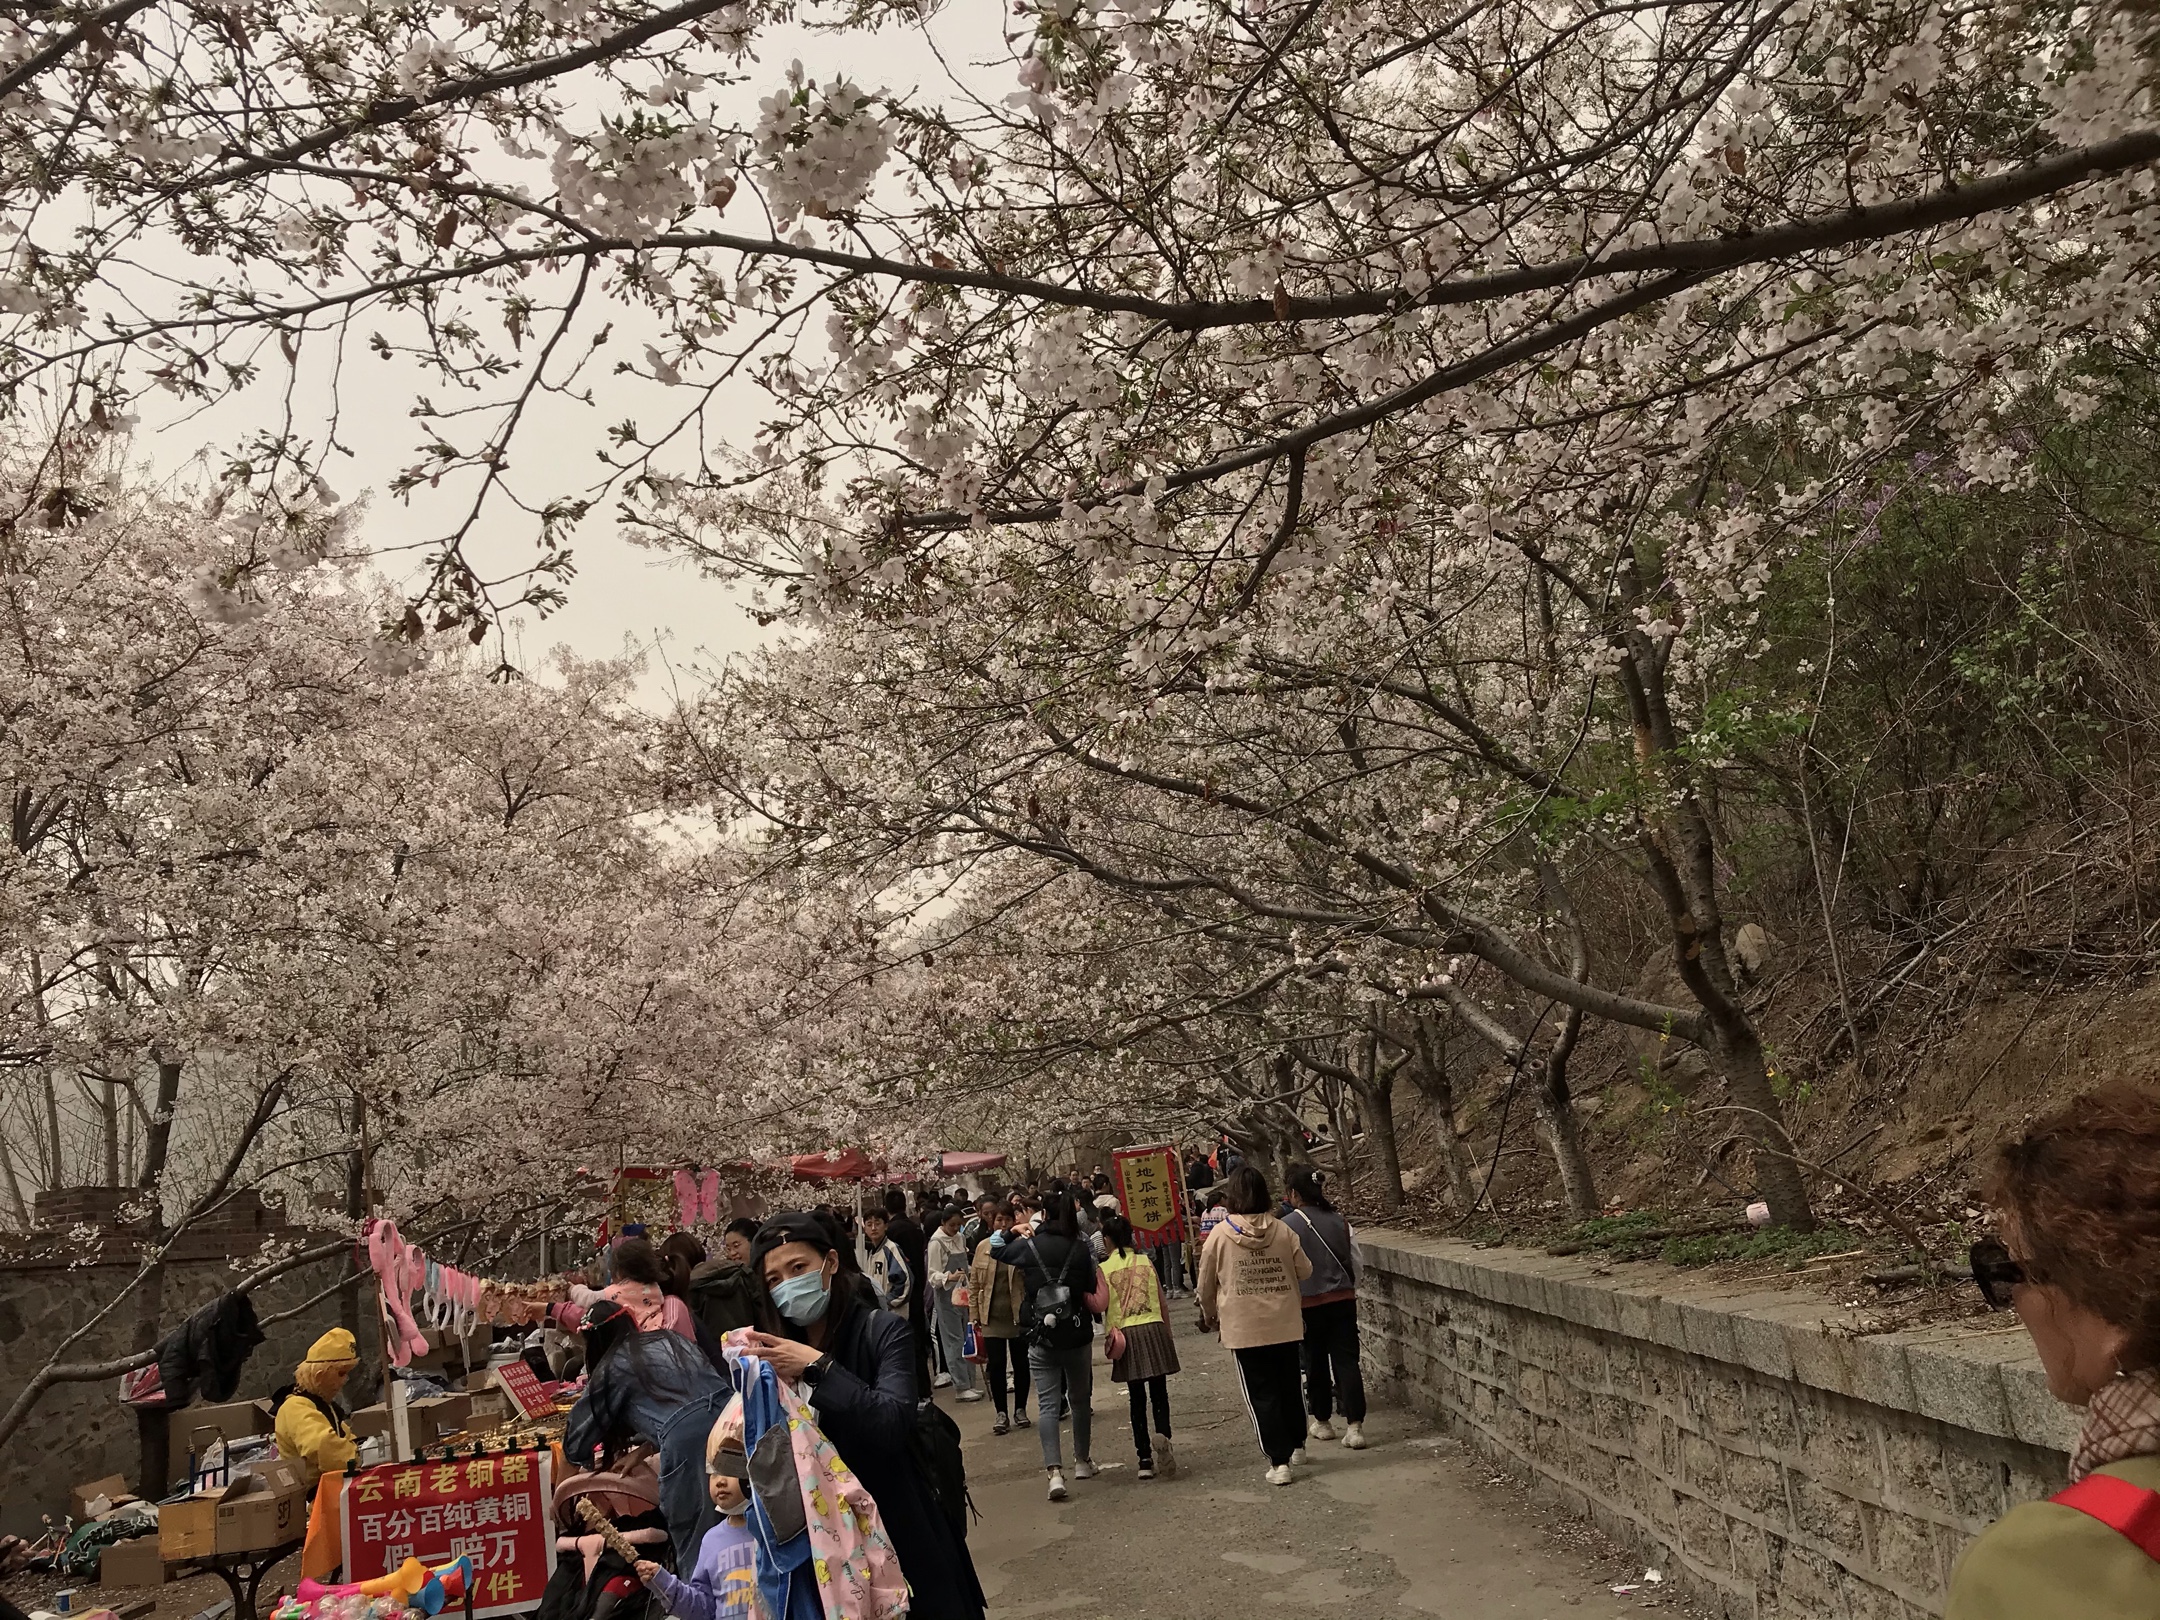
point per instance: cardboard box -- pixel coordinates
(265, 1507)
(111, 1488)
(139, 1561)
(438, 1415)
(371, 1420)
(194, 1427)
(489, 1408)
(188, 1528)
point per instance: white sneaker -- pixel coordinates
(941, 1381)
(1353, 1437)
(1319, 1429)
(969, 1395)
(1058, 1492)
(1278, 1475)
(1083, 1469)
(1298, 1456)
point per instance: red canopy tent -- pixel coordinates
(967, 1164)
(850, 1164)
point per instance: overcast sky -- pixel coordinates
(622, 594)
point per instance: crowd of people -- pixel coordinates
(864, 1316)
(870, 1312)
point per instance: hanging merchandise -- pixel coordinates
(454, 1301)
(697, 1198)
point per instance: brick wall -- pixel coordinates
(1752, 1446)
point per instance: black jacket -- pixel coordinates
(865, 1403)
(204, 1354)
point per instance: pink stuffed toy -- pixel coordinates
(398, 1268)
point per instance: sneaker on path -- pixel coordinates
(1319, 1429)
(1278, 1475)
(1003, 1425)
(1020, 1420)
(969, 1395)
(941, 1381)
(1147, 1468)
(1083, 1469)
(1298, 1456)
(1354, 1437)
(1058, 1493)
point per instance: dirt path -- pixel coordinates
(1410, 1527)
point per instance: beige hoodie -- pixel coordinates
(1250, 1269)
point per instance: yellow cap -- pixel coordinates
(336, 1345)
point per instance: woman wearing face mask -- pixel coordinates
(858, 1365)
(2079, 1260)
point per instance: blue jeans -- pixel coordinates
(952, 1334)
(1058, 1373)
(684, 1496)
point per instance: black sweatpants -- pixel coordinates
(1269, 1373)
(997, 1352)
(1139, 1392)
(1331, 1361)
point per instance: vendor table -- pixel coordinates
(235, 1568)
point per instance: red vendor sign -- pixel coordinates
(493, 1509)
(1152, 1192)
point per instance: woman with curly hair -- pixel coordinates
(2078, 1198)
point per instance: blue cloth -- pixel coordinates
(786, 1578)
(723, 1585)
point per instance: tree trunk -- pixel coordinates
(14, 1185)
(58, 1171)
(1429, 1073)
(109, 1109)
(1376, 1099)
(1563, 1134)
(356, 1207)
(1747, 1082)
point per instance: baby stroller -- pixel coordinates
(591, 1582)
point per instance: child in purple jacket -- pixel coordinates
(723, 1582)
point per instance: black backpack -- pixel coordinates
(935, 1445)
(1055, 1316)
(723, 1297)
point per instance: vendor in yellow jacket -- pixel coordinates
(311, 1427)
(2079, 1260)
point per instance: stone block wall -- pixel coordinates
(1752, 1446)
(82, 1431)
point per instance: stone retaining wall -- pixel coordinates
(1748, 1445)
(82, 1431)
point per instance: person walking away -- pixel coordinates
(1250, 1270)
(1329, 1300)
(879, 1258)
(2078, 1198)
(722, 1585)
(903, 1229)
(1061, 1285)
(1143, 1352)
(948, 1263)
(858, 1365)
(994, 1300)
